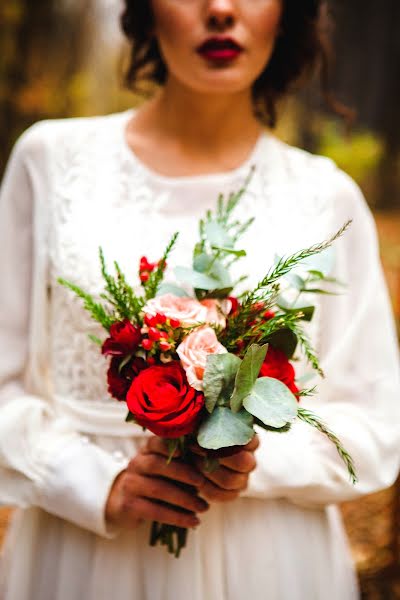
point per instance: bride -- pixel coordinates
(265, 524)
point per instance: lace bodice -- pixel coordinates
(103, 196)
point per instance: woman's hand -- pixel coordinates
(149, 479)
(231, 477)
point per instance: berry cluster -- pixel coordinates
(146, 267)
(162, 334)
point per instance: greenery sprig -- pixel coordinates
(311, 419)
(156, 277)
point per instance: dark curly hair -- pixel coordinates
(302, 47)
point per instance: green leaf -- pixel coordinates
(271, 402)
(308, 311)
(295, 281)
(238, 253)
(95, 339)
(129, 417)
(223, 428)
(170, 288)
(283, 429)
(318, 291)
(219, 378)
(217, 235)
(285, 340)
(196, 279)
(219, 294)
(247, 374)
(202, 262)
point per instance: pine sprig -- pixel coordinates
(311, 419)
(156, 277)
(285, 265)
(306, 346)
(118, 293)
(97, 310)
(133, 303)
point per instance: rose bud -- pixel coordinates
(147, 344)
(124, 339)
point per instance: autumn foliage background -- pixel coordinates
(62, 58)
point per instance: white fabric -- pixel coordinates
(73, 185)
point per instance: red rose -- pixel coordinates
(120, 380)
(161, 399)
(277, 365)
(124, 339)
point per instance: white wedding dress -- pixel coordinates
(72, 185)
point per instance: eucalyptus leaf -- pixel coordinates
(202, 262)
(196, 279)
(271, 402)
(219, 378)
(223, 429)
(247, 374)
(217, 235)
(171, 288)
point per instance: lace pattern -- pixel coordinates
(103, 198)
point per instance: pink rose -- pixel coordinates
(186, 310)
(193, 352)
(217, 310)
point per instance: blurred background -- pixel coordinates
(62, 58)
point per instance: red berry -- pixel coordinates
(144, 276)
(161, 319)
(269, 314)
(151, 360)
(147, 344)
(154, 334)
(150, 321)
(164, 335)
(175, 323)
(165, 346)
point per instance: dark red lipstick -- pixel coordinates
(221, 49)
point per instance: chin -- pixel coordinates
(220, 83)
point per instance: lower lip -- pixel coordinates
(225, 54)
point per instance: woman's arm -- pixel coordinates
(359, 399)
(42, 461)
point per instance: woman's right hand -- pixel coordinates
(148, 479)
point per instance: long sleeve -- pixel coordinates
(359, 399)
(42, 462)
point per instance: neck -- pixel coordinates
(204, 121)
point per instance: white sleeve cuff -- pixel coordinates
(78, 482)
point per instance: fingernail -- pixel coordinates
(203, 506)
(195, 522)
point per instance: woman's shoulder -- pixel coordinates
(47, 138)
(319, 176)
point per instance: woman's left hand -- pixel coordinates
(225, 483)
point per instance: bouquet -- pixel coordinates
(196, 363)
